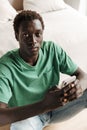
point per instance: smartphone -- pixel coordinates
(68, 81)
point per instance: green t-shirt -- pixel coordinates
(21, 83)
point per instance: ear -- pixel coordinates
(16, 36)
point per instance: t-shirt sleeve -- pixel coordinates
(66, 64)
(5, 90)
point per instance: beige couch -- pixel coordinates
(18, 4)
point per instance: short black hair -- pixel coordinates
(26, 15)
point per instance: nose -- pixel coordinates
(33, 39)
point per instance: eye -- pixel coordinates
(38, 34)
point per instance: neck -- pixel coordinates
(29, 59)
(32, 61)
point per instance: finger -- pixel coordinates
(57, 95)
(71, 94)
(71, 91)
(65, 94)
(68, 87)
(61, 101)
(65, 100)
(73, 97)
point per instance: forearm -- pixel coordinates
(82, 77)
(52, 100)
(10, 115)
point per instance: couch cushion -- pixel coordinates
(43, 6)
(6, 10)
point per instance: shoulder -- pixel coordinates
(49, 45)
(8, 57)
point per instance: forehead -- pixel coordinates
(28, 25)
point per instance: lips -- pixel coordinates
(34, 49)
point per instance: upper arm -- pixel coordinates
(66, 64)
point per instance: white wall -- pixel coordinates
(83, 7)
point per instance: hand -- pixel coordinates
(53, 98)
(69, 88)
(70, 92)
(56, 97)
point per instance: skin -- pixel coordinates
(30, 37)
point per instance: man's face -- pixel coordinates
(30, 37)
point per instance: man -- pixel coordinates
(29, 75)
